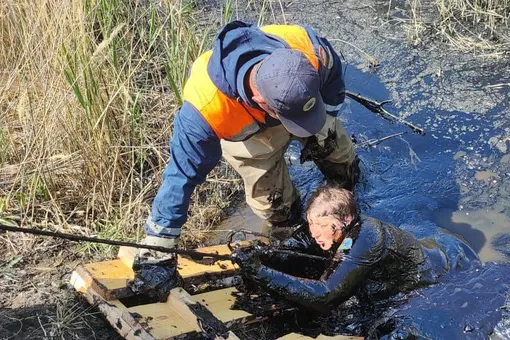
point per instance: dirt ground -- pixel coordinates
(36, 300)
(37, 303)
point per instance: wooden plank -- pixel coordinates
(108, 279)
(220, 302)
(163, 320)
(104, 283)
(154, 321)
(182, 302)
(112, 274)
(172, 318)
(187, 267)
(297, 336)
(114, 311)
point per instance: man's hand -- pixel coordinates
(313, 150)
(321, 145)
(156, 272)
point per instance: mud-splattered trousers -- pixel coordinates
(382, 261)
(260, 161)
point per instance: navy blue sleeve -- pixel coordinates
(333, 89)
(330, 70)
(194, 151)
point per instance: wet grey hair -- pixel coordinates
(332, 200)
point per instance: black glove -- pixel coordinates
(314, 151)
(155, 272)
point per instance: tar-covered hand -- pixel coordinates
(248, 258)
(316, 149)
(155, 272)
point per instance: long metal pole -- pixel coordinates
(191, 253)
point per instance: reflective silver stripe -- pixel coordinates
(332, 107)
(246, 132)
(159, 230)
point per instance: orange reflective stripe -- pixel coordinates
(228, 118)
(297, 38)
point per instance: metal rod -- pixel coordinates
(377, 107)
(191, 253)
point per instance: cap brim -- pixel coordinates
(310, 123)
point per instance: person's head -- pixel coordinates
(329, 211)
(287, 86)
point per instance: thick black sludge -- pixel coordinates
(466, 305)
(454, 177)
(407, 181)
(415, 183)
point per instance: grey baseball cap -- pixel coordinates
(290, 85)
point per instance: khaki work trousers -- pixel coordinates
(260, 161)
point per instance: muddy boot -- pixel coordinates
(278, 228)
(155, 272)
(279, 231)
(342, 174)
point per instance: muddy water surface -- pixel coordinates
(456, 177)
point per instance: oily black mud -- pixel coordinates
(312, 150)
(210, 325)
(251, 299)
(155, 280)
(457, 171)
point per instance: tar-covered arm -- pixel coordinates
(340, 285)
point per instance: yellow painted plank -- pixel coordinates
(114, 311)
(220, 302)
(111, 274)
(163, 320)
(188, 268)
(110, 278)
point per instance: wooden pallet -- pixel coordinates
(186, 311)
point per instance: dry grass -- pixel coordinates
(88, 90)
(480, 26)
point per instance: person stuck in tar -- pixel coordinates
(258, 89)
(367, 257)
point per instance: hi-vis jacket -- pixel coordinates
(216, 107)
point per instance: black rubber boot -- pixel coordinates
(155, 278)
(281, 230)
(344, 175)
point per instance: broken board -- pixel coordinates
(105, 284)
(198, 307)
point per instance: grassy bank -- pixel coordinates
(480, 26)
(88, 90)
